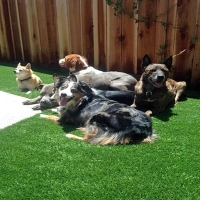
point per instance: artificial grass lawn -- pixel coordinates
(38, 162)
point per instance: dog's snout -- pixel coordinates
(63, 94)
(160, 77)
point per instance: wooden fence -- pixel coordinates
(42, 31)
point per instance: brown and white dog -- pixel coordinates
(155, 88)
(77, 64)
(25, 78)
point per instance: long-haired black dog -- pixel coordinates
(105, 121)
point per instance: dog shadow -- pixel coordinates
(168, 112)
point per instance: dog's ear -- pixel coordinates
(19, 64)
(55, 77)
(85, 88)
(73, 77)
(28, 66)
(168, 62)
(39, 87)
(83, 61)
(146, 61)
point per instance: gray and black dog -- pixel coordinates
(44, 100)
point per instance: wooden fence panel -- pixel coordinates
(113, 40)
(43, 31)
(160, 35)
(129, 40)
(15, 28)
(195, 76)
(4, 31)
(64, 42)
(146, 31)
(100, 41)
(186, 20)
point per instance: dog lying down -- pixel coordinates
(121, 96)
(26, 79)
(44, 100)
(48, 99)
(155, 88)
(105, 121)
(77, 65)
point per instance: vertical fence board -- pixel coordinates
(146, 31)
(24, 30)
(43, 32)
(75, 26)
(64, 43)
(15, 29)
(4, 33)
(186, 19)
(51, 19)
(33, 31)
(129, 40)
(195, 77)
(170, 29)
(87, 29)
(113, 37)
(160, 36)
(99, 19)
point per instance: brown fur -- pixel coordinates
(74, 61)
(26, 79)
(155, 88)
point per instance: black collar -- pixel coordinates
(25, 79)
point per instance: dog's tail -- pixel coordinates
(99, 130)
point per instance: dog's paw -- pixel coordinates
(133, 106)
(148, 112)
(43, 115)
(37, 107)
(69, 135)
(28, 92)
(27, 102)
(55, 110)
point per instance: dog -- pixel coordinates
(26, 79)
(155, 88)
(121, 96)
(105, 121)
(109, 81)
(45, 99)
(77, 64)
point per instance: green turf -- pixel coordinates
(38, 162)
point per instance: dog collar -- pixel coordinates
(149, 94)
(25, 79)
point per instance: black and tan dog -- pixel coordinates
(155, 88)
(105, 121)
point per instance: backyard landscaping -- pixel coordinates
(37, 161)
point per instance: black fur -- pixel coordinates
(107, 121)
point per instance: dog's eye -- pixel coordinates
(74, 90)
(63, 87)
(153, 70)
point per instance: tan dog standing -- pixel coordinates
(26, 79)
